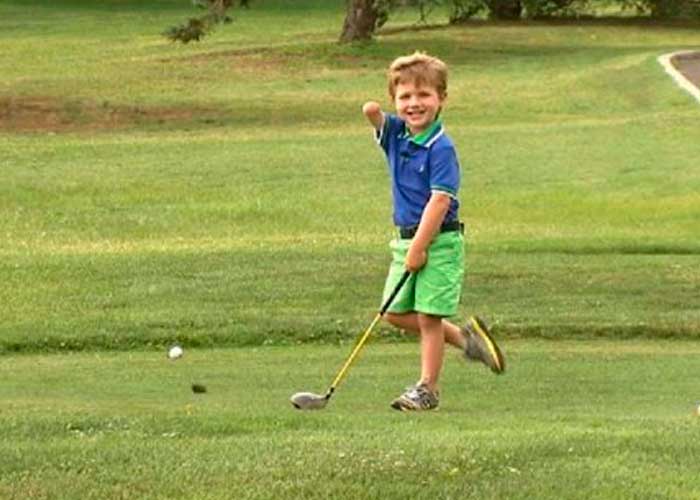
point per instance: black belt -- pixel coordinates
(408, 232)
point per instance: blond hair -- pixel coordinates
(420, 69)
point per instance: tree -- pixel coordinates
(674, 9)
(361, 19)
(197, 27)
(505, 9)
(364, 17)
(538, 9)
(463, 10)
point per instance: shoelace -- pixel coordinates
(419, 392)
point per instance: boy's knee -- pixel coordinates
(392, 318)
(400, 320)
(427, 320)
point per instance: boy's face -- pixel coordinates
(417, 105)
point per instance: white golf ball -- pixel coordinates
(175, 352)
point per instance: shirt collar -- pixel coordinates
(422, 138)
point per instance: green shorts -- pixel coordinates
(437, 287)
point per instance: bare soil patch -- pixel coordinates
(251, 61)
(264, 61)
(51, 114)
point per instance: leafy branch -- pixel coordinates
(197, 27)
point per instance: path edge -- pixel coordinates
(681, 80)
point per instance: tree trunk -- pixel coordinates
(505, 9)
(360, 21)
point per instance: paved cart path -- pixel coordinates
(689, 66)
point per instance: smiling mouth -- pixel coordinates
(415, 114)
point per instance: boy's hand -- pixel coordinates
(415, 259)
(373, 111)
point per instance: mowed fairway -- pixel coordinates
(601, 419)
(228, 196)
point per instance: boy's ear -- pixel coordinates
(443, 98)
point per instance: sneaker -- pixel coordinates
(416, 398)
(481, 346)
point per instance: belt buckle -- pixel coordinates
(407, 232)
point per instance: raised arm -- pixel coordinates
(373, 111)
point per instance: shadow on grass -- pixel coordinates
(589, 21)
(159, 337)
(602, 331)
(611, 249)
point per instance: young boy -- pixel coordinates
(425, 178)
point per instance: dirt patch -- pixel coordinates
(251, 61)
(689, 66)
(273, 61)
(50, 114)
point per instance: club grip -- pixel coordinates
(394, 293)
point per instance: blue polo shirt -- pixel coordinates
(419, 165)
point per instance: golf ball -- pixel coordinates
(175, 352)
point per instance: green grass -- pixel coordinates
(604, 419)
(166, 192)
(227, 195)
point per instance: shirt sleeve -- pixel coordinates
(444, 170)
(387, 134)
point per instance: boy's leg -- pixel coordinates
(409, 321)
(482, 347)
(439, 284)
(432, 346)
(424, 395)
(404, 301)
(474, 340)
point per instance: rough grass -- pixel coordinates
(229, 192)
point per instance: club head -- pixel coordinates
(308, 401)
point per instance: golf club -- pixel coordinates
(312, 401)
